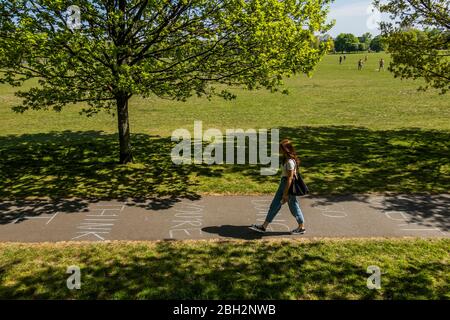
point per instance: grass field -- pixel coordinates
(355, 131)
(325, 269)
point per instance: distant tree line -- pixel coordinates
(418, 44)
(347, 42)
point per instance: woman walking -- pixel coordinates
(290, 164)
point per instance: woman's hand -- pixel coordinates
(285, 198)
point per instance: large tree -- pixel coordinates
(346, 42)
(418, 38)
(165, 48)
(377, 44)
(365, 40)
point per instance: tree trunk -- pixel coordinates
(124, 129)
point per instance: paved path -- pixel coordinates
(222, 217)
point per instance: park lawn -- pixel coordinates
(277, 269)
(336, 95)
(356, 132)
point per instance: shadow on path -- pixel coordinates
(425, 210)
(240, 232)
(16, 211)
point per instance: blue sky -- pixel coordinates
(352, 16)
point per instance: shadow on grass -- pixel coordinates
(225, 271)
(348, 159)
(73, 169)
(62, 164)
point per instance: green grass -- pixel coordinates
(336, 160)
(355, 132)
(325, 269)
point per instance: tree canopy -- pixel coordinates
(365, 40)
(418, 38)
(346, 42)
(377, 44)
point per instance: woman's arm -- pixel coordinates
(290, 177)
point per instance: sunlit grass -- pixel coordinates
(335, 95)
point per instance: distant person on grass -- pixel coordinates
(381, 65)
(290, 164)
(360, 64)
(340, 59)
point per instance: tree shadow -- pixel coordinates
(83, 164)
(432, 210)
(72, 169)
(336, 160)
(420, 286)
(241, 232)
(17, 211)
(425, 210)
(223, 270)
(344, 160)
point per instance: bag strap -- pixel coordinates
(295, 169)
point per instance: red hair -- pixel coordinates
(287, 146)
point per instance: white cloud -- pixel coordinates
(354, 16)
(349, 10)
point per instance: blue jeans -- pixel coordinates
(275, 206)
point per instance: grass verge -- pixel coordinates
(279, 269)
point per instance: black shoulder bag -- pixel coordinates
(298, 187)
